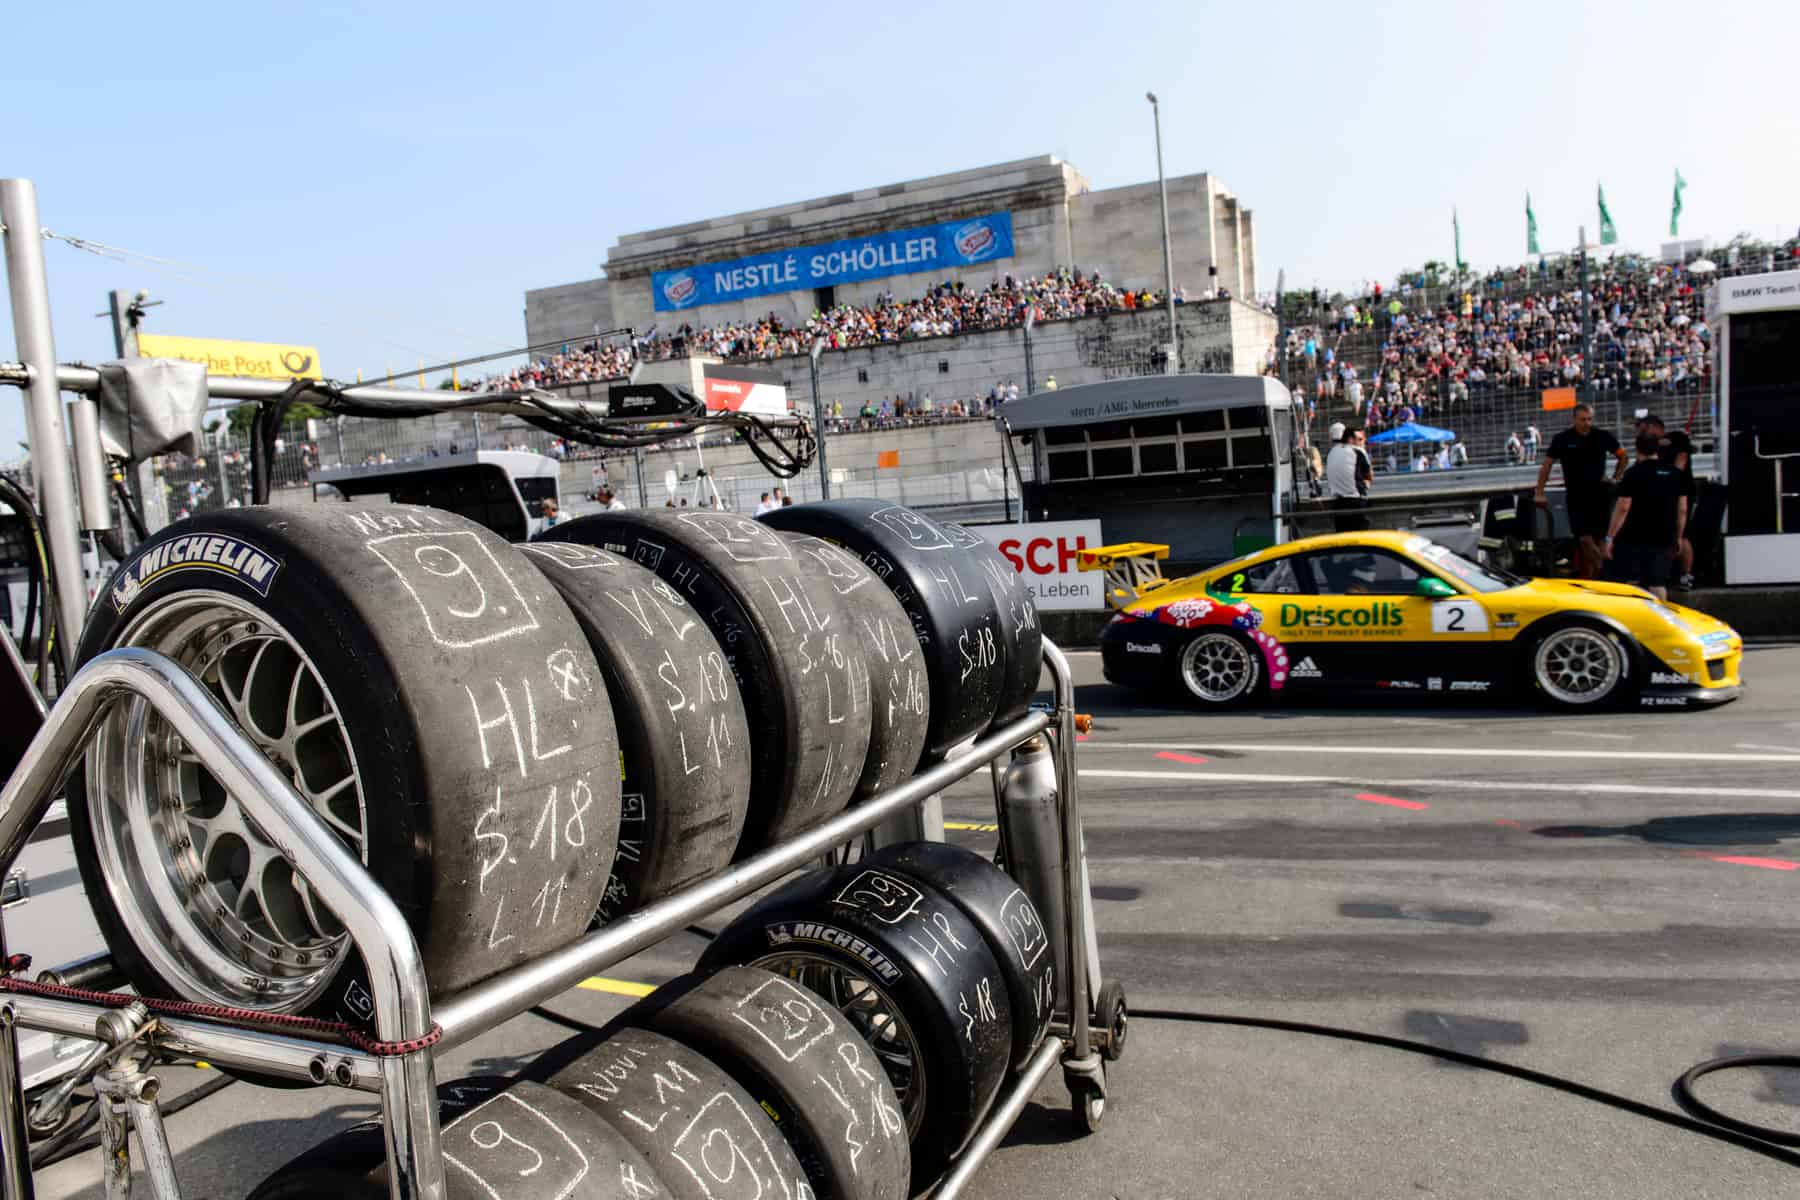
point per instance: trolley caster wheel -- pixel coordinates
(1087, 1101)
(1110, 1014)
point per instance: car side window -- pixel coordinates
(1361, 572)
(1277, 577)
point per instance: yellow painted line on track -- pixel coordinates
(618, 987)
(966, 826)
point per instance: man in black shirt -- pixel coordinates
(1676, 449)
(1648, 521)
(1582, 450)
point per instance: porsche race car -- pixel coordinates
(1388, 612)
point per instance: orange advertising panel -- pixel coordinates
(1559, 399)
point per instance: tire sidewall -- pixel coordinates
(1007, 919)
(964, 1054)
(800, 1060)
(383, 738)
(411, 685)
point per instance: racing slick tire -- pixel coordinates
(684, 745)
(803, 1065)
(912, 975)
(944, 593)
(432, 699)
(520, 1140)
(1007, 919)
(1579, 664)
(780, 623)
(899, 692)
(1021, 637)
(702, 1134)
(1219, 668)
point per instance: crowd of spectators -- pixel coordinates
(945, 310)
(1424, 353)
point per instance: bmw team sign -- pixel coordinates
(927, 248)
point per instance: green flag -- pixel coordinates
(1608, 234)
(1531, 242)
(1675, 207)
(1456, 228)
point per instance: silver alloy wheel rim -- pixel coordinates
(1217, 668)
(1578, 665)
(873, 1014)
(207, 899)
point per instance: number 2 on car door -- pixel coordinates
(1458, 616)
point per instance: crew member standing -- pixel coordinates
(1676, 449)
(1648, 521)
(1346, 471)
(1582, 450)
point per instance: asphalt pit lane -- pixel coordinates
(1712, 829)
(1467, 1035)
(1369, 910)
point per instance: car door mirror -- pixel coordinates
(1435, 588)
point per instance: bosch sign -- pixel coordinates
(1044, 556)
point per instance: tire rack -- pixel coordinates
(403, 1005)
(404, 1009)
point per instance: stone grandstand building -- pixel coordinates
(1019, 218)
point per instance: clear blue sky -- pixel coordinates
(386, 180)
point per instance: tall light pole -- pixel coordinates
(818, 347)
(1173, 366)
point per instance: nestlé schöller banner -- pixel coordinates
(961, 243)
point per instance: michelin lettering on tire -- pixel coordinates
(254, 568)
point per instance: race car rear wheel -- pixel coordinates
(1579, 666)
(1219, 667)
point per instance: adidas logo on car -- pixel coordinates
(1306, 668)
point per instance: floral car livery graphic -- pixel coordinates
(1199, 612)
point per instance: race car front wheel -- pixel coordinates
(1579, 666)
(1219, 667)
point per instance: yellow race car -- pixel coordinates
(1391, 613)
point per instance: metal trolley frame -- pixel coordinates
(404, 1009)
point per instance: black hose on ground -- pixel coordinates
(1683, 1092)
(1741, 1134)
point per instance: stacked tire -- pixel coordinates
(728, 1085)
(513, 1138)
(935, 956)
(518, 741)
(815, 647)
(432, 699)
(973, 620)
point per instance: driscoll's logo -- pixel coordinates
(1380, 616)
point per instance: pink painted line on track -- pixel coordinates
(1748, 860)
(1191, 759)
(1392, 801)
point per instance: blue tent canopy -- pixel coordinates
(1412, 431)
